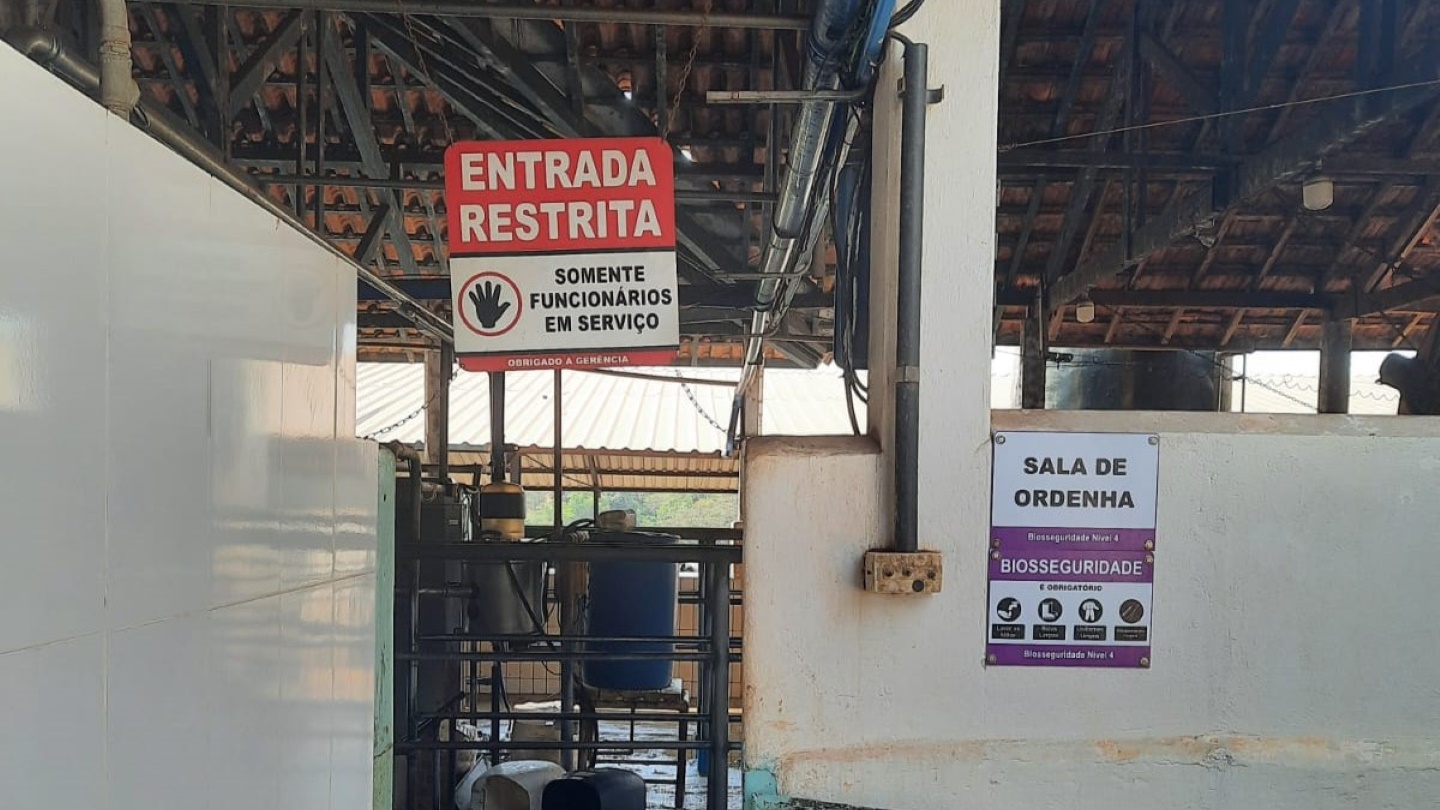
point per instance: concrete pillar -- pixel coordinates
(879, 672)
(1335, 339)
(956, 314)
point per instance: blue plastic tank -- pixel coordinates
(631, 599)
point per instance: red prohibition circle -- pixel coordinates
(464, 310)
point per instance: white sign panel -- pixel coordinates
(1075, 480)
(547, 304)
(1072, 549)
(562, 253)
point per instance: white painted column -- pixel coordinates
(832, 672)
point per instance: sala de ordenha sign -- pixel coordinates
(562, 253)
(1072, 549)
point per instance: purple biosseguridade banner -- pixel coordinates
(1030, 537)
(1071, 565)
(1070, 655)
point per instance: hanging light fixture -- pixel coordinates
(1317, 193)
(1085, 308)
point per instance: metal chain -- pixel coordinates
(695, 403)
(413, 415)
(689, 67)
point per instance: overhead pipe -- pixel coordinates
(828, 67)
(408, 454)
(534, 11)
(47, 50)
(118, 91)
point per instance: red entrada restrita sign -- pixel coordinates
(560, 196)
(562, 253)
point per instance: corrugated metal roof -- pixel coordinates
(608, 472)
(625, 435)
(600, 411)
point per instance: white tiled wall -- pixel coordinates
(187, 592)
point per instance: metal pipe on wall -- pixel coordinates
(46, 49)
(417, 467)
(442, 450)
(907, 309)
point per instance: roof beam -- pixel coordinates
(1265, 270)
(1017, 258)
(162, 43)
(1265, 46)
(1312, 62)
(574, 84)
(362, 131)
(1083, 51)
(1193, 299)
(257, 66)
(1414, 224)
(1360, 305)
(516, 68)
(1084, 185)
(1278, 163)
(1028, 161)
(374, 235)
(484, 112)
(1012, 15)
(202, 68)
(1203, 99)
(240, 47)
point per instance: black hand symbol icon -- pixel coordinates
(488, 309)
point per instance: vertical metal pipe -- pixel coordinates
(497, 426)
(717, 786)
(567, 666)
(907, 332)
(442, 448)
(497, 682)
(557, 458)
(412, 697)
(564, 585)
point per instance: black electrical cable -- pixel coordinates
(905, 14)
